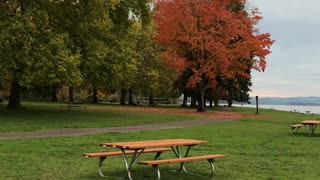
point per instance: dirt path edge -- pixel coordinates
(92, 131)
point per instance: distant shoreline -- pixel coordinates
(290, 108)
(290, 101)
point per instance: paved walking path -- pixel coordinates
(127, 129)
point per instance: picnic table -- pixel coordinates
(136, 148)
(73, 106)
(310, 125)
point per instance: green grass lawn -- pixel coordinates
(256, 148)
(44, 116)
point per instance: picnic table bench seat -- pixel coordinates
(156, 163)
(73, 106)
(103, 155)
(295, 126)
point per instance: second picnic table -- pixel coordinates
(139, 146)
(310, 125)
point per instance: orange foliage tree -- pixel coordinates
(215, 38)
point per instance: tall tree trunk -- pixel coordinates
(54, 94)
(230, 102)
(216, 102)
(95, 96)
(193, 101)
(201, 105)
(14, 98)
(185, 100)
(123, 96)
(71, 94)
(230, 99)
(202, 100)
(211, 102)
(151, 103)
(130, 96)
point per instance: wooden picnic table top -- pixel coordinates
(154, 143)
(312, 122)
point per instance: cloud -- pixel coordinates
(292, 68)
(278, 86)
(306, 11)
(292, 34)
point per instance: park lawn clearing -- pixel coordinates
(256, 148)
(171, 111)
(40, 116)
(47, 116)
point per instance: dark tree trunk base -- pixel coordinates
(193, 102)
(199, 109)
(216, 103)
(14, 98)
(131, 97)
(202, 101)
(95, 96)
(151, 102)
(54, 94)
(71, 94)
(123, 97)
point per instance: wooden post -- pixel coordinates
(257, 105)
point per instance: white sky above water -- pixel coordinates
(293, 68)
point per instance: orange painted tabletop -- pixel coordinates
(310, 122)
(154, 143)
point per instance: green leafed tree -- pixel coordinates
(31, 51)
(130, 20)
(88, 25)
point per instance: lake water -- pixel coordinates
(301, 109)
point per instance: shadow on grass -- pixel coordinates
(148, 173)
(305, 134)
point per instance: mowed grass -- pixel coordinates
(257, 147)
(37, 116)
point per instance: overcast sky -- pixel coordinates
(293, 67)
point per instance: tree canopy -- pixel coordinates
(202, 48)
(31, 52)
(214, 38)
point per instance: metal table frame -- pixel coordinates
(310, 126)
(173, 143)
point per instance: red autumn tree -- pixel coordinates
(216, 38)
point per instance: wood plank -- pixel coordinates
(118, 153)
(310, 122)
(296, 125)
(154, 143)
(179, 160)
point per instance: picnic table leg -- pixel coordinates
(135, 157)
(307, 129)
(182, 167)
(101, 160)
(157, 155)
(313, 128)
(100, 166)
(178, 155)
(292, 128)
(310, 129)
(156, 167)
(211, 161)
(298, 128)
